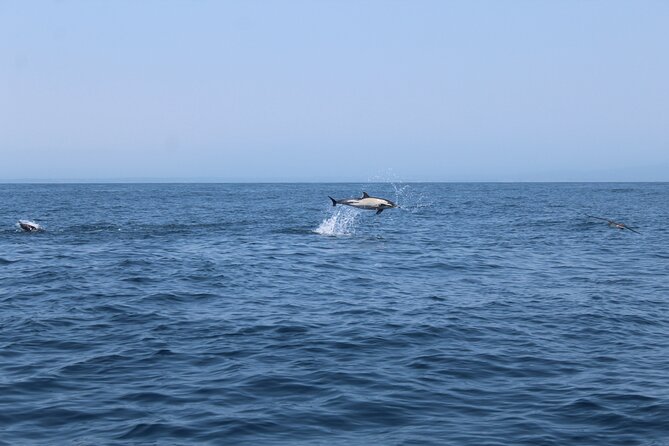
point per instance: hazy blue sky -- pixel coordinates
(335, 90)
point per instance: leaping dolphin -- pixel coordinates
(615, 224)
(29, 226)
(366, 202)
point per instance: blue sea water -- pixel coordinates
(475, 314)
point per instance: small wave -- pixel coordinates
(7, 261)
(622, 190)
(293, 231)
(342, 222)
(154, 431)
(97, 227)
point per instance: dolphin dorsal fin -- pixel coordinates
(365, 195)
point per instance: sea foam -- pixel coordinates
(341, 222)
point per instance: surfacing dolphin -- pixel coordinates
(615, 224)
(29, 226)
(366, 202)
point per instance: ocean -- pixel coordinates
(258, 314)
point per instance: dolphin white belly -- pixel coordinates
(368, 203)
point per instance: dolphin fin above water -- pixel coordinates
(615, 224)
(379, 211)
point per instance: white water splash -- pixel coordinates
(410, 199)
(341, 222)
(37, 226)
(407, 197)
(345, 220)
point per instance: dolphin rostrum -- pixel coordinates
(366, 202)
(29, 226)
(615, 224)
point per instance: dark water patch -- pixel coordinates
(35, 386)
(294, 231)
(53, 416)
(98, 365)
(179, 297)
(140, 280)
(157, 431)
(276, 386)
(95, 228)
(292, 329)
(154, 398)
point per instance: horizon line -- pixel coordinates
(212, 181)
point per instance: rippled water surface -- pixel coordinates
(476, 314)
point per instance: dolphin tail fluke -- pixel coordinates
(334, 202)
